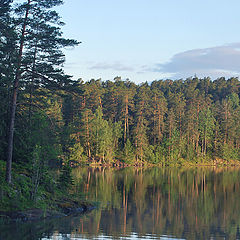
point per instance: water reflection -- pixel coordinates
(147, 204)
(189, 204)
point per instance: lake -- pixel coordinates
(151, 203)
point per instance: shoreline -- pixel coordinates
(217, 162)
(63, 209)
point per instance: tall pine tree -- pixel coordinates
(39, 54)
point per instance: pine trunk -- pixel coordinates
(126, 120)
(14, 101)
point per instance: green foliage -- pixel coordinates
(117, 133)
(101, 136)
(230, 153)
(76, 153)
(61, 120)
(234, 99)
(65, 180)
(206, 129)
(17, 195)
(150, 155)
(128, 155)
(21, 193)
(164, 122)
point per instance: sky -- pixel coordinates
(147, 40)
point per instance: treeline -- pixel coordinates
(162, 122)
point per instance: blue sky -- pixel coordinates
(145, 40)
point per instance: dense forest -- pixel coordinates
(165, 121)
(46, 117)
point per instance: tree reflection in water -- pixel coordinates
(149, 203)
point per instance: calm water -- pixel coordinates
(146, 204)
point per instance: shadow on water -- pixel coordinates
(147, 203)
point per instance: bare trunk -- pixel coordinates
(126, 119)
(159, 125)
(169, 137)
(14, 101)
(87, 136)
(154, 120)
(197, 144)
(226, 130)
(205, 145)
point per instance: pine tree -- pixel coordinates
(7, 59)
(38, 54)
(158, 116)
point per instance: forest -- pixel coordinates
(47, 118)
(162, 122)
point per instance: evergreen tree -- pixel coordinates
(206, 128)
(158, 116)
(101, 137)
(128, 152)
(38, 54)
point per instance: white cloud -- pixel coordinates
(214, 62)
